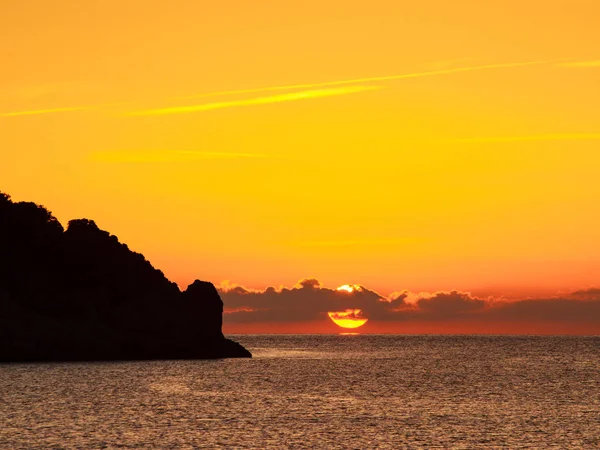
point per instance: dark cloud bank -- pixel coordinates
(309, 301)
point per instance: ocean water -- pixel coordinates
(318, 391)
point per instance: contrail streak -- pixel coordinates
(582, 64)
(302, 95)
(373, 79)
(297, 96)
(45, 111)
(57, 110)
(532, 138)
(155, 156)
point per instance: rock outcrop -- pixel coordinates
(80, 294)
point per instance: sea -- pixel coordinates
(346, 391)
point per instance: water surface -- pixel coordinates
(319, 391)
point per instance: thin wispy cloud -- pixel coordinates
(293, 96)
(372, 79)
(57, 110)
(326, 243)
(164, 156)
(358, 242)
(313, 91)
(582, 64)
(529, 138)
(46, 111)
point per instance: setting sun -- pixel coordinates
(350, 318)
(349, 288)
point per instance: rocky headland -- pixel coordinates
(81, 295)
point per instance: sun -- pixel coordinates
(350, 318)
(349, 288)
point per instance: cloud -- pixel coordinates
(293, 96)
(326, 244)
(165, 156)
(563, 310)
(373, 79)
(47, 111)
(305, 94)
(449, 304)
(585, 294)
(309, 300)
(581, 64)
(355, 314)
(59, 110)
(408, 240)
(306, 301)
(528, 138)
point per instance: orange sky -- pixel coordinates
(428, 145)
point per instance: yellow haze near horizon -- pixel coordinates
(457, 179)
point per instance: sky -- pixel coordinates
(423, 147)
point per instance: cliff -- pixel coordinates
(80, 294)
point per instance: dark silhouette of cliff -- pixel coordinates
(79, 294)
